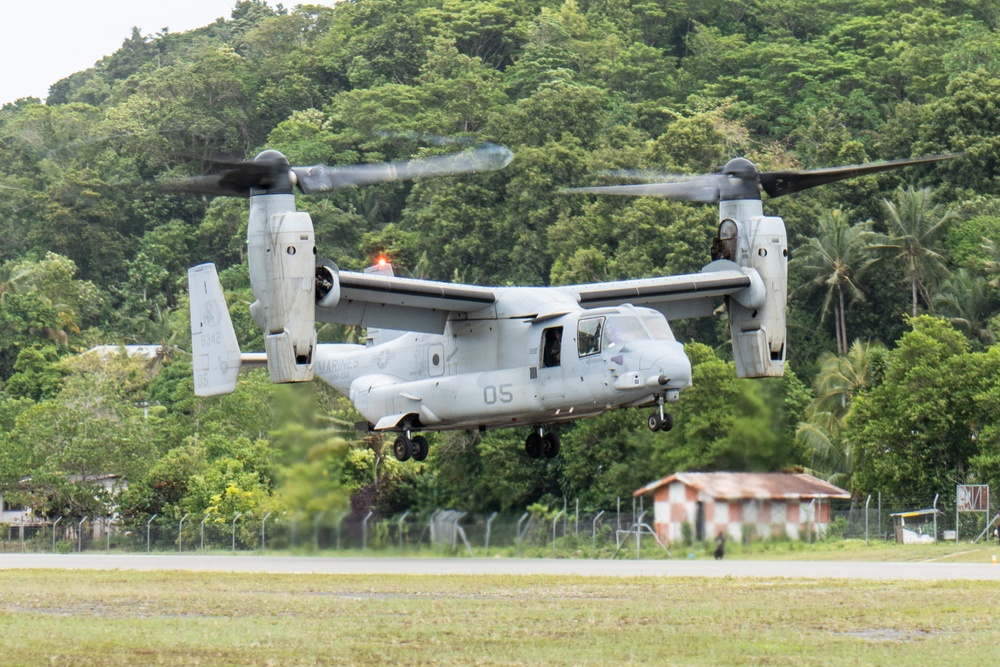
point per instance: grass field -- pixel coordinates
(178, 618)
(874, 551)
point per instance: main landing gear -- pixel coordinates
(659, 420)
(405, 446)
(538, 445)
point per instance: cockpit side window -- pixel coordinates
(588, 336)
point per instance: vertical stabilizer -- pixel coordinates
(215, 350)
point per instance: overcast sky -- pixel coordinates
(43, 41)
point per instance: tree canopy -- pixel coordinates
(95, 255)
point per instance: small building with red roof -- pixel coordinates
(767, 505)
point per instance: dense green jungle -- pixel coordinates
(894, 309)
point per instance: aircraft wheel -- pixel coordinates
(550, 445)
(402, 448)
(420, 447)
(654, 423)
(533, 445)
(668, 422)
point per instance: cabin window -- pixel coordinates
(552, 347)
(588, 336)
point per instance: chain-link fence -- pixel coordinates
(445, 532)
(921, 519)
(565, 533)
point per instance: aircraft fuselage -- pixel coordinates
(493, 372)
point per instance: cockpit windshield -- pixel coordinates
(623, 329)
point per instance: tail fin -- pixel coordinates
(215, 350)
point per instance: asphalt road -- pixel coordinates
(508, 566)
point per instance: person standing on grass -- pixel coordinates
(720, 548)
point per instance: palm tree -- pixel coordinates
(819, 434)
(992, 264)
(836, 257)
(964, 299)
(11, 275)
(914, 226)
(840, 378)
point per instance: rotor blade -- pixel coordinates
(235, 179)
(320, 178)
(703, 188)
(778, 183)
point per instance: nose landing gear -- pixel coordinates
(659, 420)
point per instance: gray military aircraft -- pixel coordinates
(445, 356)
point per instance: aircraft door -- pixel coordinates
(552, 347)
(550, 360)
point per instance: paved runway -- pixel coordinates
(508, 566)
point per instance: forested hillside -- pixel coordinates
(895, 279)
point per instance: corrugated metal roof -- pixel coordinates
(740, 485)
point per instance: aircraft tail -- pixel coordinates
(215, 350)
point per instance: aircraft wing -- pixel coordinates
(679, 296)
(391, 302)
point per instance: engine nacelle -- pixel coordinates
(760, 243)
(327, 284)
(282, 257)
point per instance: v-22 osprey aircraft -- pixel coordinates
(443, 356)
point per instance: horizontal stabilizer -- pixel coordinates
(215, 350)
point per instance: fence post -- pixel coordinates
(54, 524)
(262, 522)
(593, 534)
(400, 525)
(207, 514)
(180, 534)
(489, 527)
(79, 534)
(147, 530)
(455, 529)
(880, 514)
(364, 530)
(934, 506)
(618, 522)
(238, 515)
(316, 522)
(107, 528)
(517, 540)
(340, 521)
(812, 519)
(866, 518)
(554, 521)
(638, 536)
